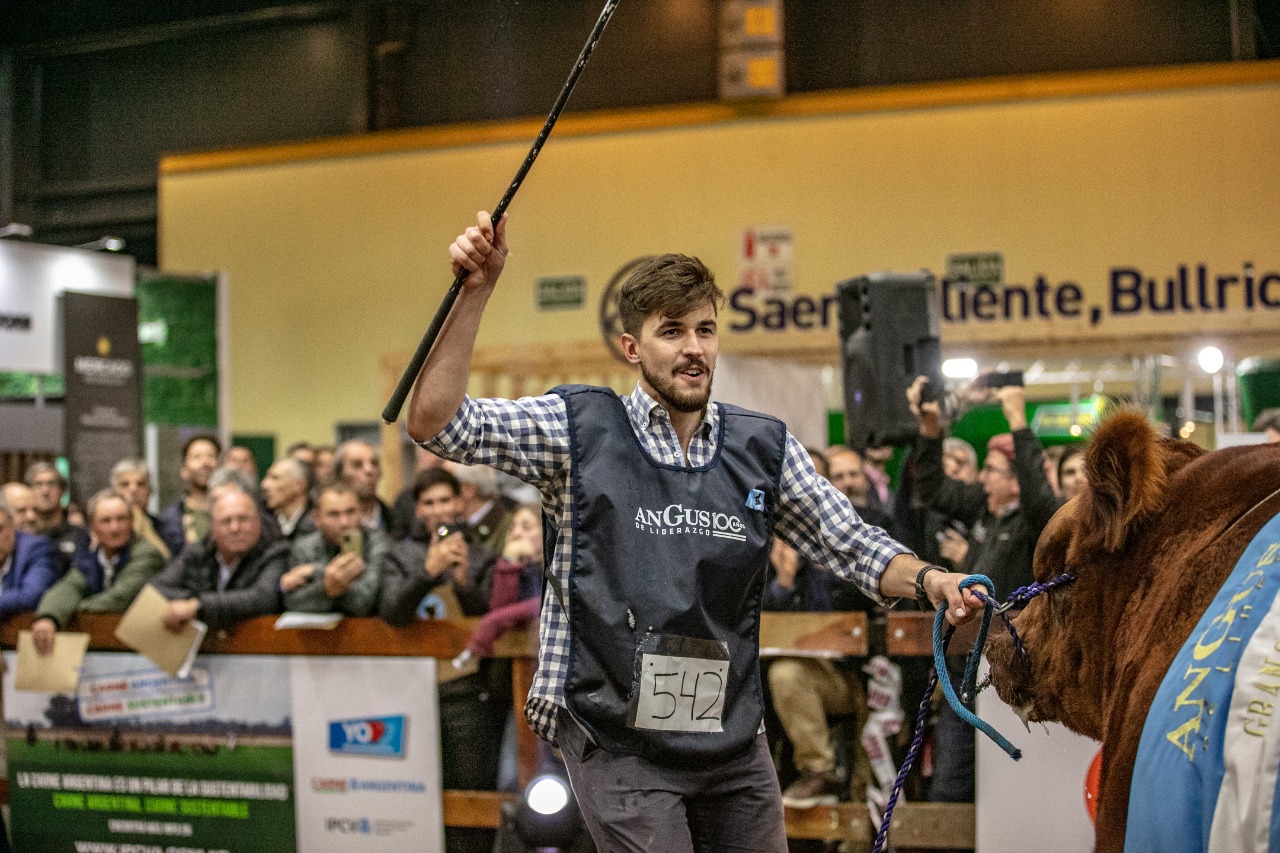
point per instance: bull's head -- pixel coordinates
(1071, 633)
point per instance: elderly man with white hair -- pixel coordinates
(482, 504)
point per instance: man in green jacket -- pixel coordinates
(337, 568)
(106, 572)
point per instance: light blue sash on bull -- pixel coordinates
(1205, 776)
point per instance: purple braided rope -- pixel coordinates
(1022, 595)
(917, 740)
(1023, 657)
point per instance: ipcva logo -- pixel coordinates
(368, 736)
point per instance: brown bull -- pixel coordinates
(1150, 541)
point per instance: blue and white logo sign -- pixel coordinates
(755, 500)
(382, 736)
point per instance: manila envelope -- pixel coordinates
(57, 673)
(142, 629)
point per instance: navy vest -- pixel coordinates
(668, 567)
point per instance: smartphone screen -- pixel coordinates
(353, 541)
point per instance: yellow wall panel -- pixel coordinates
(333, 262)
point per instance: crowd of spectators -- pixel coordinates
(312, 535)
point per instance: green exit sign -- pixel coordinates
(976, 268)
(561, 293)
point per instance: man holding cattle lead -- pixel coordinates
(662, 506)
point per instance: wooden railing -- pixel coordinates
(915, 825)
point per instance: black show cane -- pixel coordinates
(396, 403)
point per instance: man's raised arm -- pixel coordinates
(442, 382)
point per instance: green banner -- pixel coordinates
(140, 761)
(178, 329)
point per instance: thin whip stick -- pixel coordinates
(396, 403)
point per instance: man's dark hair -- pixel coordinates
(671, 285)
(212, 439)
(434, 477)
(337, 487)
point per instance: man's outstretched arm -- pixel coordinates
(442, 383)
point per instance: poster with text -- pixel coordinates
(367, 754)
(140, 761)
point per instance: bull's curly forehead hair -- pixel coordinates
(668, 285)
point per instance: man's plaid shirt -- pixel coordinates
(529, 438)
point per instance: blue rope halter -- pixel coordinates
(968, 685)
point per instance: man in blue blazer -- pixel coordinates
(28, 566)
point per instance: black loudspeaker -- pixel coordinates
(889, 324)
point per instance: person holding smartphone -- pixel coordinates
(338, 567)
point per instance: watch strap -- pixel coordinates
(922, 598)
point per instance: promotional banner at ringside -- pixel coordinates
(140, 761)
(367, 754)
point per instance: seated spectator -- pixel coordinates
(356, 463)
(848, 474)
(875, 463)
(323, 464)
(48, 487)
(338, 567)
(1071, 475)
(227, 478)
(807, 691)
(517, 576)
(482, 506)
(132, 479)
(442, 551)
(106, 573)
(28, 566)
(1268, 421)
(186, 520)
(959, 460)
(303, 452)
(232, 575)
(286, 490)
(437, 573)
(238, 456)
(22, 505)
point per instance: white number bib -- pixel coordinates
(681, 693)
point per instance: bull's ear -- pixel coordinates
(1126, 470)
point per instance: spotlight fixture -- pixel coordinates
(1210, 359)
(546, 817)
(103, 244)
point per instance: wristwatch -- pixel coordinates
(922, 598)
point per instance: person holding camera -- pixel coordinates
(444, 571)
(440, 550)
(337, 568)
(1005, 511)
